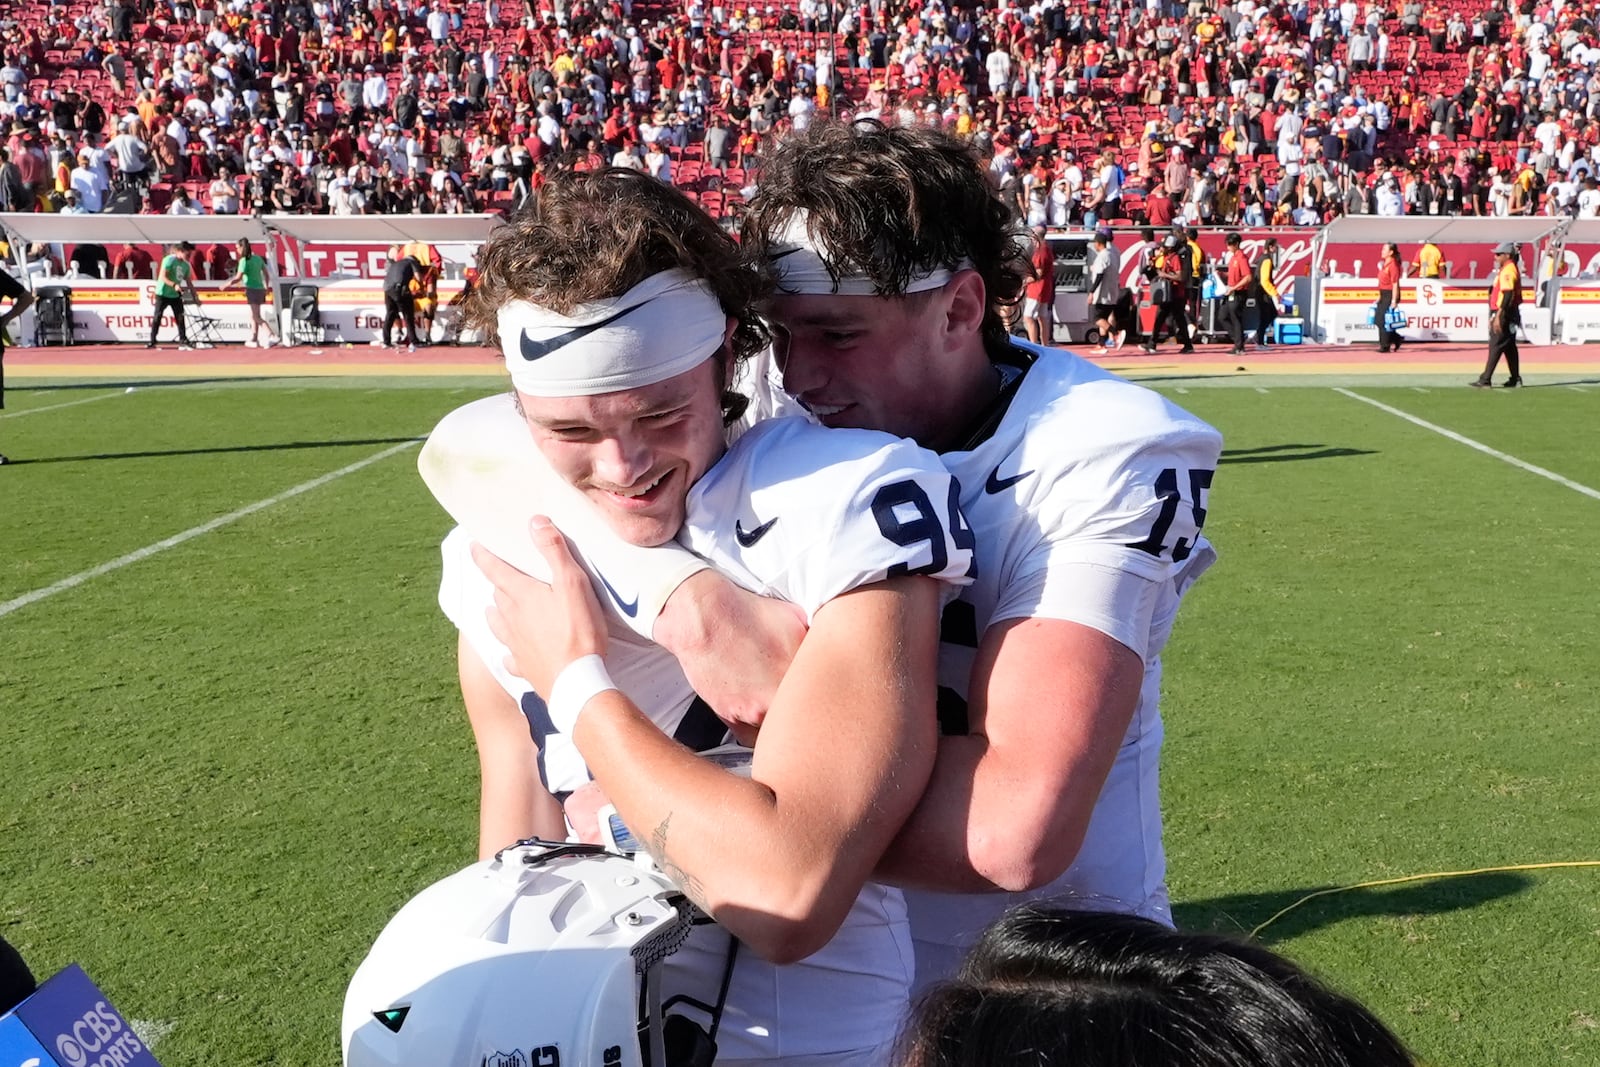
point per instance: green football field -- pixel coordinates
(232, 743)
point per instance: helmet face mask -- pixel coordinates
(544, 956)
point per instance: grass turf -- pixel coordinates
(228, 763)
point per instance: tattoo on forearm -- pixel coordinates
(680, 877)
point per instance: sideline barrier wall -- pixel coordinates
(1438, 311)
(120, 311)
(1577, 312)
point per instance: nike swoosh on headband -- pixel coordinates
(786, 252)
(535, 350)
(630, 608)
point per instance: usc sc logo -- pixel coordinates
(1430, 293)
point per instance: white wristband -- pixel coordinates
(578, 683)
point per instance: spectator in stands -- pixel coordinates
(183, 204)
(89, 260)
(132, 156)
(718, 143)
(224, 193)
(1057, 988)
(658, 162)
(131, 261)
(89, 183)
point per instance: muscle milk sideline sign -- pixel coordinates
(68, 1022)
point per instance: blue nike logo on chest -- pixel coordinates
(997, 484)
(748, 539)
(630, 608)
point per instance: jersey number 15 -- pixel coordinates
(1168, 493)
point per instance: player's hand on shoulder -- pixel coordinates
(734, 646)
(545, 626)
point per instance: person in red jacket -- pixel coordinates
(1388, 296)
(1039, 295)
(1237, 286)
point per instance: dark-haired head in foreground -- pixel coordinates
(1056, 988)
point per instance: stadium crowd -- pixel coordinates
(1210, 112)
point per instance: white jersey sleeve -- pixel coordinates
(803, 513)
(1089, 501)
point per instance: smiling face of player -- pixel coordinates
(635, 453)
(907, 365)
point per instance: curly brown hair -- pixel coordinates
(592, 235)
(890, 203)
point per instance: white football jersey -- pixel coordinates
(1086, 494)
(801, 513)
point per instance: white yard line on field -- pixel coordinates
(56, 407)
(152, 1031)
(177, 539)
(1504, 457)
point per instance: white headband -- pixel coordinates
(667, 324)
(802, 269)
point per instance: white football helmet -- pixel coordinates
(545, 956)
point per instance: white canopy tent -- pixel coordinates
(1440, 229)
(210, 229)
(467, 231)
(457, 236)
(1527, 230)
(132, 229)
(384, 229)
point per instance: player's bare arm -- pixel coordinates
(513, 804)
(845, 750)
(1008, 804)
(733, 645)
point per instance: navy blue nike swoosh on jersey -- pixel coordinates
(630, 608)
(535, 350)
(749, 539)
(997, 484)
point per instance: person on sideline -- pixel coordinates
(1086, 497)
(21, 298)
(1429, 262)
(1039, 295)
(1106, 290)
(174, 277)
(1388, 296)
(1056, 988)
(1238, 287)
(1169, 291)
(399, 304)
(1505, 315)
(252, 273)
(1266, 292)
